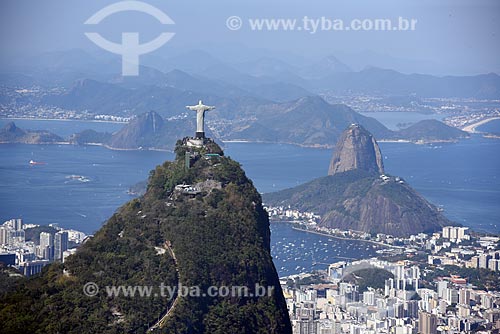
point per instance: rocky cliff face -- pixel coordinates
(142, 131)
(356, 149)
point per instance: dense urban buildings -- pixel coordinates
(29, 256)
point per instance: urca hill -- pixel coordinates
(357, 195)
(200, 224)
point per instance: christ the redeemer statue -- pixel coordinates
(200, 109)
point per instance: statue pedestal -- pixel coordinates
(195, 142)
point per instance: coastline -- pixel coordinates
(341, 238)
(59, 119)
(243, 141)
(471, 128)
(91, 144)
(491, 136)
(404, 141)
(329, 147)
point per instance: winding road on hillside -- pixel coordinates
(161, 321)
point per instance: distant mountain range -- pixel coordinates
(201, 72)
(263, 99)
(358, 196)
(309, 121)
(389, 82)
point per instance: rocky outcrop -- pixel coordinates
(356, 149)
(387, 207)
(151, 131)
(431, 130)
(356, 200)
(356, 197)
(142, 131)
(14, 135)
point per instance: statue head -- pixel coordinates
(199, 102)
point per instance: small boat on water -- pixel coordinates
(32, 163)
(78, 178)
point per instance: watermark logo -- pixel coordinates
(91, 289)
(129, 49)
(234, 23)
(313, 25)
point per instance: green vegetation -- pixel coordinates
(318, 194)
(483, 279)
(357, 200)
(314, 278)
(220, 238)
(33, 234)
(369, 278)
(10, 279)
(90, 136)
(430, 130)
(10, 133)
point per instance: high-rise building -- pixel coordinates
(446, 232)
(427, 323)
(463, 311)
(15, 224)
(442, 286)
(411, 307)
(451, 296)
(47, 245)
(18, 224)
(474, 262)
(494, 265)
(60, 244)
(389, 288)
(399, 310)
(455, 233)
(30, 268)
(464, 297)
(369, 298)
(4, 235)
(16, 236)
(462, 233)
(484, 259)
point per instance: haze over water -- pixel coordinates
(460, 177)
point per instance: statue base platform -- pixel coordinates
(200, 135)
(195, 142)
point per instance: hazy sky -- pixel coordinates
(451, 36)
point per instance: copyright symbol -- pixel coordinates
(90, 289)
(234, 23)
